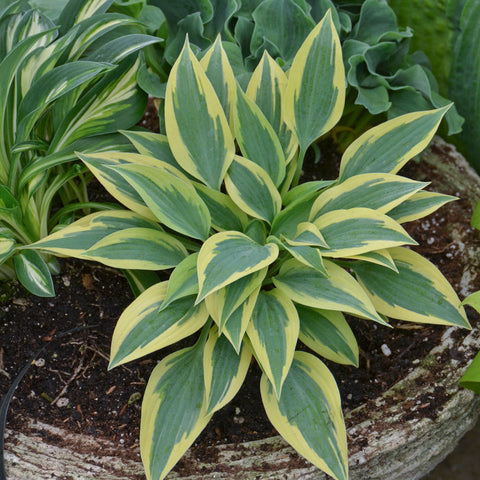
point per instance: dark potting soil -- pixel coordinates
(69, 386)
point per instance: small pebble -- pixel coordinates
(62, 402)
(39, 362)
(386, 350)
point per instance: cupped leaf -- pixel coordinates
(204, 147)
(33, 273)
(327, 333)
(359, 230)
(273, 333)
(174, 411)
(144, 328)
(307, 234)
(216, 268)
(315, 94)
(308, 415)
(387, 147)
(252, 189)
(431, 300)
(338, 291)
(224, 370)
(380, 257)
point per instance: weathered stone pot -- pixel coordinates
(389, 438)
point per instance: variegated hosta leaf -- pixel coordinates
(222, 303)
(304, 190)
(229, 256)
(7, 246)
(219, 72)
(327, 333)
(224, 212)
(308, 234)
(172, 200)
(76, 12)
(417, 293)
(387, 147)
(174, 411)
(267, 88)
(81, 235)
(419, 205)
(310, 256)
(308, 415)
(138, 249)
(257, 139)
(339, 291)
(224, 370)
(33, 273)
(315, 93)
(378, 191)
(251, 188)
(144, 328)
(360, 230)
(380, 257)
(203, 147)
(273, 333)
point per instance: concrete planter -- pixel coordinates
(390, 438)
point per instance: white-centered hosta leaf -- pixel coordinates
(308, 415)
(33, 273)
(7, 246)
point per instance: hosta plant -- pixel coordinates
(255, 262)
(62, 89)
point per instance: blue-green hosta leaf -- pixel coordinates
(174, 411)
(308, 415)
(257, 139)
(138, 248)
(327, 333)
(359, 230)
(417, 293)
(203, 147)
(307, 234)
(33, 273)
(310, 256)
(304, 191)
(387, 147)
(378, 191)
(224, 370)
(172, 200)
(229, 256)
(315, 93)
(380, 257)
(252, 189)
(338, 291)
(144, 328)
(273, 333)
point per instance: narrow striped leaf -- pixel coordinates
(183, 281)
(75, 239)
(315, 93)
(257, 139)
(172, 200)
(360, 230)
(224, 370)
(238, 321)
(204, 147)
(417, 293)
(143, 328)
(308, 415)
(419, 205)
(339, 291)
(267, 88)
(251, 188)
(304, 190)
(308, 234)
(380, 257)
(273, 333)
(174, 411)
(222, 303)
(310, 256)
(219, 72)
(387, 147)
(75, 12)
(224, 212)
(327, 333)
(33, 273)
(7, 246)
(229, 256)
(138, 248)
(378, 191)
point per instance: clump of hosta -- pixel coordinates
(259, 262)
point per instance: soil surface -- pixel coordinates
(69, 386)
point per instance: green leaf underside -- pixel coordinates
(216, 268)
(339, 291)
(431, 301)
(328, 334)
(471, 378)
(143, 328)
(308, 414)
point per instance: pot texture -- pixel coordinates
(390, 438)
